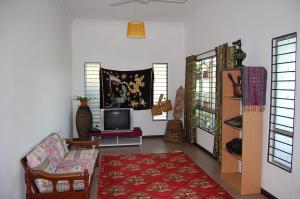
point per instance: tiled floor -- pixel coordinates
(157, 145)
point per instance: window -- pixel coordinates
(160, 86)
(206, 91)
(92, 89)
(283, 82)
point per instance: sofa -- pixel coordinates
(59, 168)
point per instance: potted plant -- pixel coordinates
(83, 100)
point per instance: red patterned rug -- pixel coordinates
(154, 176)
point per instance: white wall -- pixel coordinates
(295, 193)
(35, 82)
(106, 42)
(256, 23)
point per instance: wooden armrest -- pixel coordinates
(85, 144)
(54, 178)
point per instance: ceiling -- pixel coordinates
(152, 11)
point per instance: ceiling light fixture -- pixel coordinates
(122, 2)
(135, 29)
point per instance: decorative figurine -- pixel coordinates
(238, 55)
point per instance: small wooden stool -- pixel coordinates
(174, 131)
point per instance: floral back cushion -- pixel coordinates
(64, 144)
(55, 149)
(38, 158)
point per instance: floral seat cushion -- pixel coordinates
(77, 161)
(82, 154)
(53, 156)
(61, 186)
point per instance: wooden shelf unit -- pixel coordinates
(239, 157)
(233, 126)
(243, 172)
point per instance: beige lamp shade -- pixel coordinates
(136, 29)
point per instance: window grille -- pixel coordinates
(206, 91)
(282, 110)
(160, 86)
(92, 89)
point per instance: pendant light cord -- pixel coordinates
(135, 11)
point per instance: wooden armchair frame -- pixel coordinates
(32, 191)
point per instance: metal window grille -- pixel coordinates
(282, 110)
(206, 90)
(160, 86)
(92, 89)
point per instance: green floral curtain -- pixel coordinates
(190, 111)
(224, 60)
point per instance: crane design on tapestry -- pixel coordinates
(126, 89)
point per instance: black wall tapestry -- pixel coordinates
(126, 89)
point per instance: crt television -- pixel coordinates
(117, 119)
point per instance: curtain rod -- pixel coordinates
(205, 52)
(214, 49)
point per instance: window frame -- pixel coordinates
(167, 91)
(94, 107)
(211, 56)
(273, 130)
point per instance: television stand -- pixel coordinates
(119, 138)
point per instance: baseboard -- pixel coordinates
(153, 136)
(267, 194)
(203, 149)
